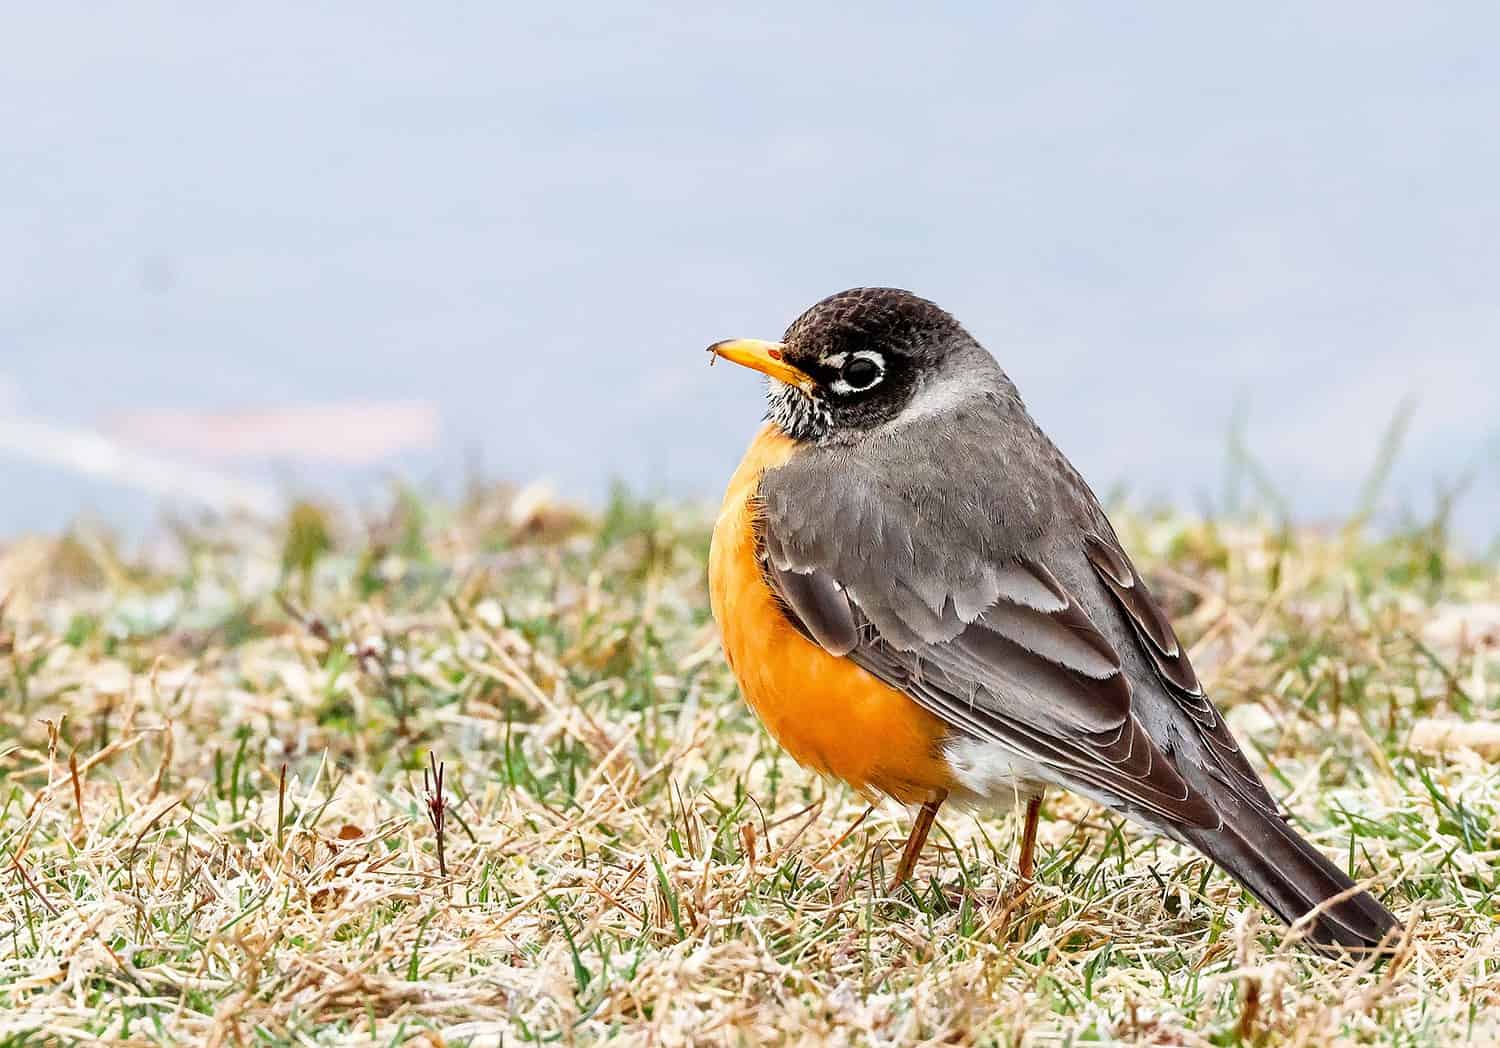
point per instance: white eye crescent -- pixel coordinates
(860, 371)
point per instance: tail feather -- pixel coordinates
(1292, 878)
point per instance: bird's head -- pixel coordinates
(859, 360)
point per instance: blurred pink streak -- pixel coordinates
(347, 434)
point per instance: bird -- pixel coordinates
(920, 596)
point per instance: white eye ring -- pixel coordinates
(843, 388)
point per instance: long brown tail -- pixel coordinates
(1292, 878)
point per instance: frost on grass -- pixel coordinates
(215, 829)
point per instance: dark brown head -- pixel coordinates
(855, 361)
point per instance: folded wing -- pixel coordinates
(1004, 653)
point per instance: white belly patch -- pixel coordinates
(992, 776)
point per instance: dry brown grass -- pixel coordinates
(628, 856)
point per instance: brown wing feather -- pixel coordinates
(1146, 617)
(1032, 672)
(819, 608)
(1159, 641)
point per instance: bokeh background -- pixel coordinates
(252, 250)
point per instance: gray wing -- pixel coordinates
(989, 639)
(1158, 641)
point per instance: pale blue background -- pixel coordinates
(1149, 212)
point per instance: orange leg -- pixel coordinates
(1026, 867)
(919, 831)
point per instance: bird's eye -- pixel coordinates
(861, 373)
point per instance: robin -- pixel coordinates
(920, 596)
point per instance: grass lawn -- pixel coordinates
(214, 826)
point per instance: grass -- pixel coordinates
(478, 774)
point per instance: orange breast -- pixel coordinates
(828, 713)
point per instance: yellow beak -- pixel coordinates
(765, 357)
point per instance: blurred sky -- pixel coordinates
(538, 220)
